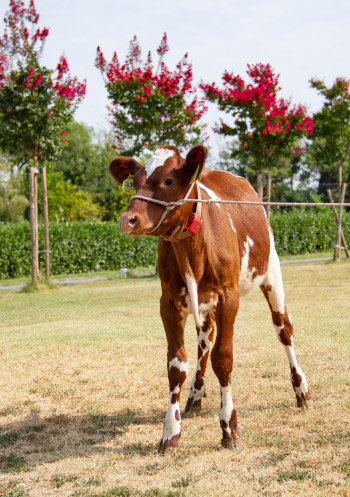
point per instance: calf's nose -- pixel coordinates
(128, 222)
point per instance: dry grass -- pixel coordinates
(84, 392)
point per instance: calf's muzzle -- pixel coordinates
(129, 222)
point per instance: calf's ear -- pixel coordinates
(121, 167)
(194, 163)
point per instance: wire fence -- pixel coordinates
(171, 205)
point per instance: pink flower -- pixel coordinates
(163, 47)
(62, 67)
(63, 132)
(100, 61)
(308, 124)
(41, 34)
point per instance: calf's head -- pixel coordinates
(166, 176)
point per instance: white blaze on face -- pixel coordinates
(158, 159)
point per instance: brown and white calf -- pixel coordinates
(205, 273)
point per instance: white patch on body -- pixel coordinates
(172, 426)
(199, 311)
(211, 194)
(247, 282)
(227, 407)
(203, 337)
(180, 365)
(192, 289)
(206, 307)
(158, 159)
(230, 219)
(273, 277)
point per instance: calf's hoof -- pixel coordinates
(169, 446)
(232, 444)
(305, 401)
(192, 407)
(167, 451)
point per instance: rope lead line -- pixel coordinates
(168, 206)
(171, 205)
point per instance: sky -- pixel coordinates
(300, 39)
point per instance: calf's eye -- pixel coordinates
(169, 181)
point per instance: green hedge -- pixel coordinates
(75, 248)
(306, 231)
(81, 247)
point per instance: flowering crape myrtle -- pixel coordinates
(331, 144)
(268, 128)
(151, 106)
(36, 103)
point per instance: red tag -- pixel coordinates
(193, 223)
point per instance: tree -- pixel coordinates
(13, 204)
(36, 103)
(150, 106)
(84, 163)
(267, 129)
(330, 148)
(67, 203)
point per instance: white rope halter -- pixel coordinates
(168, 206)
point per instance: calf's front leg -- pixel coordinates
(174, 323)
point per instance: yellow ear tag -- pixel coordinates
(194, 177)
(128, 184)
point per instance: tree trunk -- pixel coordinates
(338, 238)
(340, 180)
(33, 199)
(46, 222)
(260, 187)
(268, 207)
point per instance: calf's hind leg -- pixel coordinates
(222, 358)
(205, 338)
(273, 291)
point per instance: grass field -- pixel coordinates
(83, 394)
